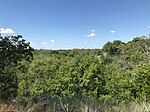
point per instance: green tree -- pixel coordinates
(141, 78)
(13, 49)
(112, 47)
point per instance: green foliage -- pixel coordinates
(112, 47)
(8, 82)
(13, 49)
(118, 73)
(141, 76)
(37, 81)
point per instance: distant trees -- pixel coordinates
(112, 47)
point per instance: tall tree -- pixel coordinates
(13, 49)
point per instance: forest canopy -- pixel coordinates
(119, 72)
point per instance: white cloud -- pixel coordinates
(52, 41)
(112, 32)
(93, 30)
(48, 45)
(6, 31)
(148, 26)
(92, 34)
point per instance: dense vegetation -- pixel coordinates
(117, 73)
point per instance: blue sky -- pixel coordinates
(65, 24)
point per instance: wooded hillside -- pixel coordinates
(117, 73)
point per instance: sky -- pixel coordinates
(68, 24)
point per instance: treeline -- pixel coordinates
(117, 73)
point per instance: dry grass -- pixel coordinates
(29, 106)
(90, 106)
